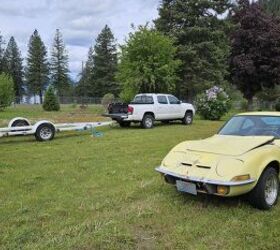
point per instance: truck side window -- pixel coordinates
(162, 99)
(173, 100)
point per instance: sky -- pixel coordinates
(80, 21)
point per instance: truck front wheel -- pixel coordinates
(188, 118)
(147, 121)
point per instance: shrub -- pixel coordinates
(213, 104)
(50, 101)
(277, 105)
(6, 91)
(107, 99)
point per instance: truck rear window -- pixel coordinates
(143, 99)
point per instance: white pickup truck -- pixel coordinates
(148, 108)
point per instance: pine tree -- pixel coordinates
(2, 50)
(105, 64)
(271, 6)
(59, 66)
(12, 65)
(199, 33)
(37, 68)
(50, 100)
(85, 86)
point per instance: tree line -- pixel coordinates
(192, 46)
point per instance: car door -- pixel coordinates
(174, 107)
(162, 112)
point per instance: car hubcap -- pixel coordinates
(46, 133)
(149, 122)
(271, 190)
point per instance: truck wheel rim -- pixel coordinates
(149, 122)
(46, 133)
(189, 119)
(271, 190)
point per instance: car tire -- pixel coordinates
(266, 192)
(124, 124)
(45, 132)
(147, 121)
(188, 118)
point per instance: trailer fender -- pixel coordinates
(37, 124)
(19, 121)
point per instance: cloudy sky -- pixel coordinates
(79, 20)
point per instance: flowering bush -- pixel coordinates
(213, 103)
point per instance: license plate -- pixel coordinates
(186, 187)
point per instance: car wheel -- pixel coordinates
(147, 121)
(45, 132)
(124, 124)
(188, 118)
(265, 194)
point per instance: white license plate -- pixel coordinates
(186, 187)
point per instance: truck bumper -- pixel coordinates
(117, 117)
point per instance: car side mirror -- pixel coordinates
(179, 102)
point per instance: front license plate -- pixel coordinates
(186, 187)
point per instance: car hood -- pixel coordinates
(228, 145)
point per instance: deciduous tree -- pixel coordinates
(147, 63)
(255, 54)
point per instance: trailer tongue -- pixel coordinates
(45, 130)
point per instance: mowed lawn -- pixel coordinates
(79, 192)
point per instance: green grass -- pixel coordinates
(79, 192)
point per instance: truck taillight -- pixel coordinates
(130, 110)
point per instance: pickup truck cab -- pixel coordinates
(148, 108)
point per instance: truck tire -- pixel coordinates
(265, 193)
(147, 121)
(188, 118)
(125, 124)
(45, 132)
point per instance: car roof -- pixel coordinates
(262, 113)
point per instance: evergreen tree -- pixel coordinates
(6, 91)
(12, 65)
(37, 68)
(86, 85)
(203, 46)
(271, 6)
(105, 64)
(2, 50)
(59, 66)
(50, 100)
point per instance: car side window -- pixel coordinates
(162, 99)
(173, 100)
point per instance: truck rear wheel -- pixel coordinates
(147, 121)
(45, 132)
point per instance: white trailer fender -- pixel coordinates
(14, 122)
(37, 124)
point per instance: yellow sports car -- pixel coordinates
(244, 157)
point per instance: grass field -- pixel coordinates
(79, 192)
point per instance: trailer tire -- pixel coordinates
(45, 132)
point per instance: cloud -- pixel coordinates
(80, 21)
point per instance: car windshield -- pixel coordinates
(249, 125)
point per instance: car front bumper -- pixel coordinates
(202, 180)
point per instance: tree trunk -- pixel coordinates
(250, 106)
(41, 97)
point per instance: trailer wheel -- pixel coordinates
(45, 132)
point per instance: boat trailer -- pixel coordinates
(45, 130)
